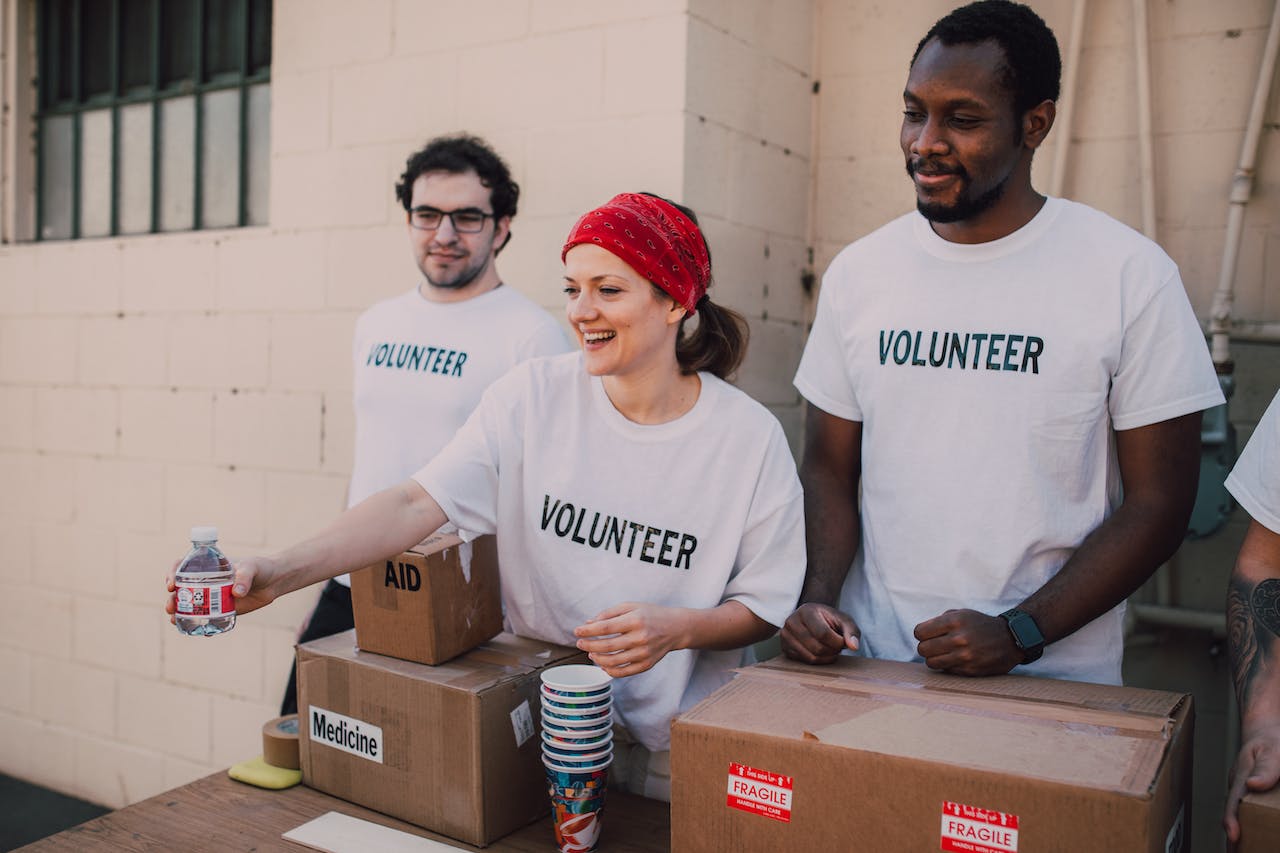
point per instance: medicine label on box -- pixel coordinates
(969, 829)
(346, 733)
(759, 792)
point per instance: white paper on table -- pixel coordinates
(333, 832)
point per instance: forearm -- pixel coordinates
(1111, 563)
(382, 525)
(730, 625)
(1159, 468)
(832, 531)
(1253, 630)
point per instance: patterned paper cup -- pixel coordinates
(577, 743)
(577, 802)
(577, 831)
(556, 752)
(577, 710)
(554, 721)
(592, 722)
(576, 679)
(576, 732)
(560, 767)
(577, 703)
(577, 783)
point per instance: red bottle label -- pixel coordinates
(199, 600)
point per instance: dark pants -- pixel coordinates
(331, 616)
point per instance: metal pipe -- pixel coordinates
(1255, 332)
(1067, 99)
(1146, 147)
(1181, 617)
(1241, 188)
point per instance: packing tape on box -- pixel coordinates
(280, 742)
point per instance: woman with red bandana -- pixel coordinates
(645, 509)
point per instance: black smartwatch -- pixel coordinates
(1026, 633)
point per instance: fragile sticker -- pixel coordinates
(759, 792)
(970, 829)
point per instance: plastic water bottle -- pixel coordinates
(205, 605)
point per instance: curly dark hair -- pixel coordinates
(1032, 68)
(462, 153)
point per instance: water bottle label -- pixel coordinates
(206, 601)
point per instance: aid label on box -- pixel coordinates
(970, 829)
(759, 792)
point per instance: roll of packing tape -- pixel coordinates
(280, 742)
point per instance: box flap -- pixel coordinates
(502, 659)
(916, 676)
(437, 542)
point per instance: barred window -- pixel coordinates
(153, 115)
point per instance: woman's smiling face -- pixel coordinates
(622, 325)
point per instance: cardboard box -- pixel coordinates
(1260, 822)
(432, 603)
(889, 756)
(451, 748)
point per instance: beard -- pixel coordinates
(965, 206)
(454, 278)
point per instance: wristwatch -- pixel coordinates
(1026, 633)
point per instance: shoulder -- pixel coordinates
(539, 374)
(883, 247)
(740, 413)
(1105, 234)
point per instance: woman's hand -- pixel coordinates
(253, 584)
(631, 637)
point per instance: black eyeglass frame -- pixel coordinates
(473, 211)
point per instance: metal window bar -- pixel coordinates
(197, 84)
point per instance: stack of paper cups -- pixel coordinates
(577, 748)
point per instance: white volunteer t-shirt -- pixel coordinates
(1254, 481)
(988, 380)
(592, 510)
(420, 368)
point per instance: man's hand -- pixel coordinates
(1257, 768)
(251, 585)
(630, 638)
(966, 642)
(817, 633)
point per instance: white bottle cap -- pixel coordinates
(204, 533)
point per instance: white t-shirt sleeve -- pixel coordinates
(1164, 370)
(463, 477)
(769, 568)
(823, 375)
(1255, 479)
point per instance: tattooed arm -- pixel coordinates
(1253, 634)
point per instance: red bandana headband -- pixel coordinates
(655, 238)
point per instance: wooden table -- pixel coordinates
(217, 813)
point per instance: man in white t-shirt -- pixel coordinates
(984, 374)
(1253, 616)
(424, 358)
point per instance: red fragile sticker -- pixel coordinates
(970, 829)
(759, 792)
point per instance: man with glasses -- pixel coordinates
(423, 358)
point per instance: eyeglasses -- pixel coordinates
(466, 221)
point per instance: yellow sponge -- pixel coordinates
(258, 772)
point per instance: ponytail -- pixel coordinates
(717, 344)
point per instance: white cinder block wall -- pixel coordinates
(150, 383)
